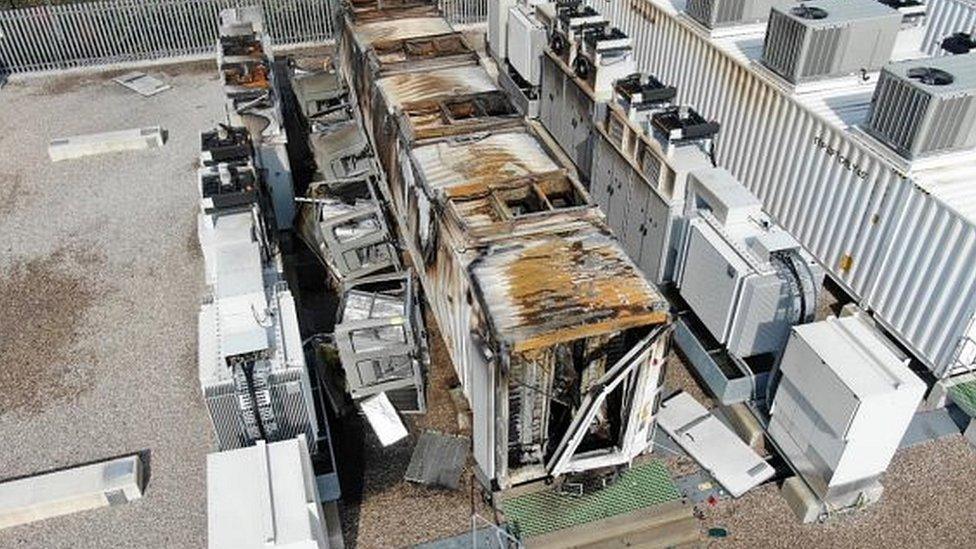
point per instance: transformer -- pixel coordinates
(829, 38)
(381, 340)
(252, 366)
(926, 106)
(843, 402)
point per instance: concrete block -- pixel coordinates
(71, 490)
(970, 433)
(79, 146)
(801, 500)
(745, 425)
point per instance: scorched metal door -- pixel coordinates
(565, 458)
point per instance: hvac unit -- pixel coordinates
(726, 13)
(844, 400)
(381, 340)
(925, 106)
(606, 56)
(227, 185)
(571, 23)
(912, 11)
(745, 278)
(829, 38)
(959, 43)
(526, 42)
(497, 38)
(640, 96)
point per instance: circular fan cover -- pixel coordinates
(930, 76)
(809, 12)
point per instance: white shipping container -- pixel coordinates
(847, 204)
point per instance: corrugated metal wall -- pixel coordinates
(845, 204)
(47, 38)
(58, 37)
(946, 17)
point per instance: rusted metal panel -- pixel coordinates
(457, 115)
(546, 291)
(407, 88)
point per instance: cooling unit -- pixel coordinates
(640, 96)
(829, 38)
(682, 124)
(571, 23)
(224, 144)
(227, 185)
(925, 106)
(606, 56)
(726, 13)
(745, 278)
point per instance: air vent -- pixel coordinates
(681, 124)
(829, 38)
(642, 92)
(926, 106)
(959, 43)
(726, 13)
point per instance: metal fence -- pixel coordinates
(66, 36)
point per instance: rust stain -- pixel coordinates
(564, 289)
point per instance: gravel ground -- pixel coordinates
(100, 278)
(927, 503)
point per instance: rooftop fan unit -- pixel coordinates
(959, 43)
(726, 13)
(925, 106)
(829, 38)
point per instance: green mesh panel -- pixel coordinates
(964, 395)
(547, 511)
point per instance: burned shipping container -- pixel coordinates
(556, 336)
(393, 42)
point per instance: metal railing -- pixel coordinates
(67, 36)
